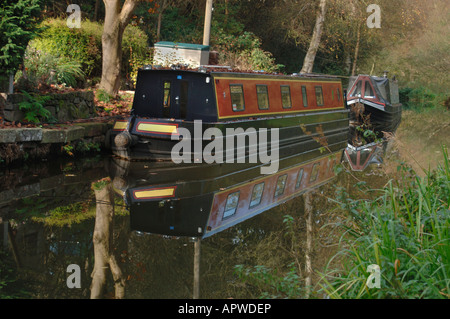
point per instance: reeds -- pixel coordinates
(405, 231)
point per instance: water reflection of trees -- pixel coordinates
(104, 257)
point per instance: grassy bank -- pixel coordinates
(405, 231)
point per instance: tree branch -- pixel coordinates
(127, 11)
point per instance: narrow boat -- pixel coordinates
(202, 208)
(308, 112)
(375, 105)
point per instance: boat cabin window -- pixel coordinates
(237, 97)
(314, 172)
(231, 205)
(368, 92)
(357, 90)
(286, 96)
(299, 179)
(305, 96)
(257, 193)
(166, 99)
(263, 97)
(319, 96)
(281, 184)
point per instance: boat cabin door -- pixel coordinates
(175, 98)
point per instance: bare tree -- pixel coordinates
(308, 62)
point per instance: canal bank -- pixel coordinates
(50, 141)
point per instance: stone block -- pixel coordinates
(52, 110)
(74, 133)
(13, 115)
(93, 129)
(53, 136)
(7, 135)
(28, 134)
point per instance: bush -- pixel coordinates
(84, 45)
(44, 68)
(244, 52)
(418, 98)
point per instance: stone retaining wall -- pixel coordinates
(63, 106)
(18, 144)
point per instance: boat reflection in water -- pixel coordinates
(359, 158)
(178, 207)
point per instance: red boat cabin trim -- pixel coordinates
(249, 97)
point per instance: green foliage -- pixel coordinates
(67, 149)
(68, 215)
(85, 147)
(103, 96)
(418, 98)
(45, 68)
(34, 109)
(137, 61)
(18, 26)
(405, 231)
(270, 283)
(83, 46)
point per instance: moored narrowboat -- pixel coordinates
(375, 105)
(167, 102)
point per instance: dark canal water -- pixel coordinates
(173, 233)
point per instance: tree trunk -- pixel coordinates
(207, 24)
(161, 11)
(116, 20)
(308, 62)
(96, 8)
(358, 39)
(308, 265)
(196, 293)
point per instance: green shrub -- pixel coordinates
(81, 45)
(42, 67)
(84, 45)
(418, 98)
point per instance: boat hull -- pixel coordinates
(297, 134)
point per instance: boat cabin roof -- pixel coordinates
(381, 90)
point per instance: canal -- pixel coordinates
(163, 239)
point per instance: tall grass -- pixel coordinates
(405, 231)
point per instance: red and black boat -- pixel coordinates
(375, 114)
(374, 102)
(304, 109)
